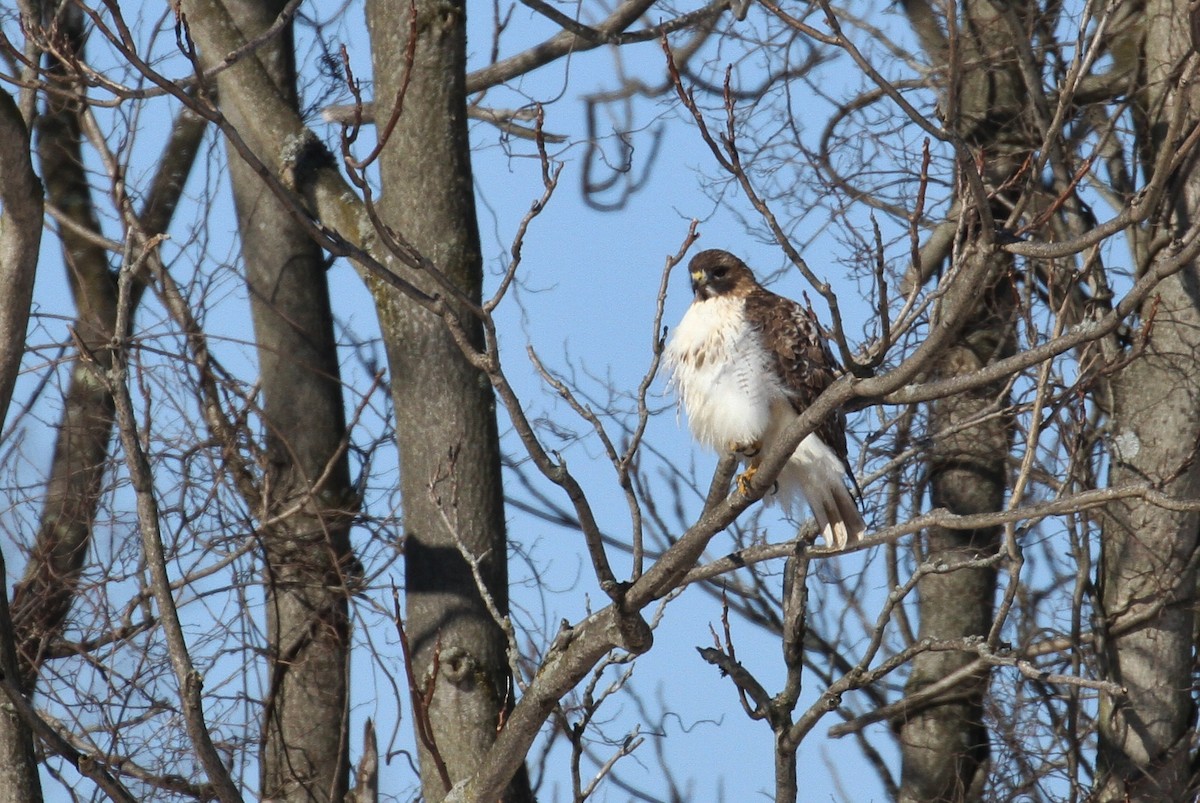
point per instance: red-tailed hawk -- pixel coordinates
(745, 362)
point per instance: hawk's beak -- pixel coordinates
(699, 280)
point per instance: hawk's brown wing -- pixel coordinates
(802, 358)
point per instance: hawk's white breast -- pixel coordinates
(722, 374)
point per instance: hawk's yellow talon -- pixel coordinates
(743, 480)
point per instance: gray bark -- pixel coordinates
(1148, 572)
(445, 409)
(20, 236)
(1148, 560)
(19, 782)
(944, 745)
(305, 754)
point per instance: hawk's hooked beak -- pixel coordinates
(700, 283)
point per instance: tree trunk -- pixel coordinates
(20, 235)
(945, 745)
(19, 782)
(1148, 573)
(1147, 568)
(305, 753)
(445, 409)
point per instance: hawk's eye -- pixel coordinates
(721, 272)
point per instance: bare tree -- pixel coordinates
(1147, 572)
(985, 175)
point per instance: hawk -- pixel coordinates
(745, 362)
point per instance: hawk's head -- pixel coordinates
(718, 273)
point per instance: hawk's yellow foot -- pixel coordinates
(743, 479)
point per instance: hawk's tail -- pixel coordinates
(819, 474)
(836, 513)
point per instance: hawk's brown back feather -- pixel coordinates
(803, 359)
